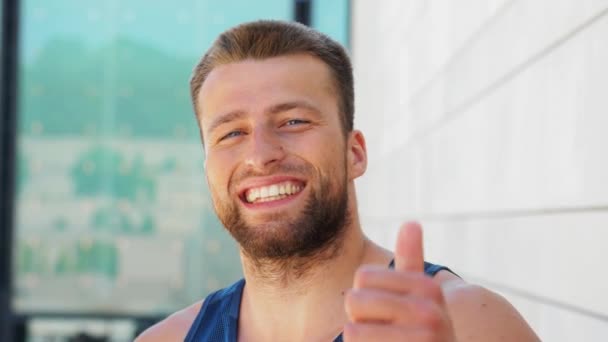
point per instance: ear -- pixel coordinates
(356, 154)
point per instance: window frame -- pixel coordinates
(8, 123)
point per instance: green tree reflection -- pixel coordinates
(121, 88)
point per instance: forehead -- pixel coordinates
(251, 85)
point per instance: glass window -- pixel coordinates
(333, 18)
(113, 213)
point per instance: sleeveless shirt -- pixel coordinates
(217, 320)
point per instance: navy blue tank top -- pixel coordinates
(219, 315)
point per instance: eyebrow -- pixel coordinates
(225, 118)
(281, 107)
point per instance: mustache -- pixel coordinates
(302, 169)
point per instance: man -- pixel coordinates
(274, 103)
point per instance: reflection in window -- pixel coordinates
(113, 213)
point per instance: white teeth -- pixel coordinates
(264, 192)
(251, 196)
(272, 192)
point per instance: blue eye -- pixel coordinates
(231, 135)
(295, 122)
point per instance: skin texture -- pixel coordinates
(344, 286)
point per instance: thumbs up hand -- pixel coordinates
(401, 304)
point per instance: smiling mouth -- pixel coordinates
(272, 192)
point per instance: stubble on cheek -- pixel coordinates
(296, 232)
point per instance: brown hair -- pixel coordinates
(270, 38)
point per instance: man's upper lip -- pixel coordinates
(256, 182)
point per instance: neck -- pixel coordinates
(298, 294)
(297, 273)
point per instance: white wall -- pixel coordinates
(488, 121)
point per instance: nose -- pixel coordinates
(265, 149)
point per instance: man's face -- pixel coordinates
(276, 155)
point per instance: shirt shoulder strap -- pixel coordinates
(218, 317)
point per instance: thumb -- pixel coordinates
(408, 252)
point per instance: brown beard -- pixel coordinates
(287, 244)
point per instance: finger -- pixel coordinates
(376, 306)
(408, 252)
(359, 332)
(401, 283)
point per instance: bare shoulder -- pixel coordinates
(172, 328)
(479, 314)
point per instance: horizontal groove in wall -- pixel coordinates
(515, 213)
(475, 35)
(508, 290)
(461, 108)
